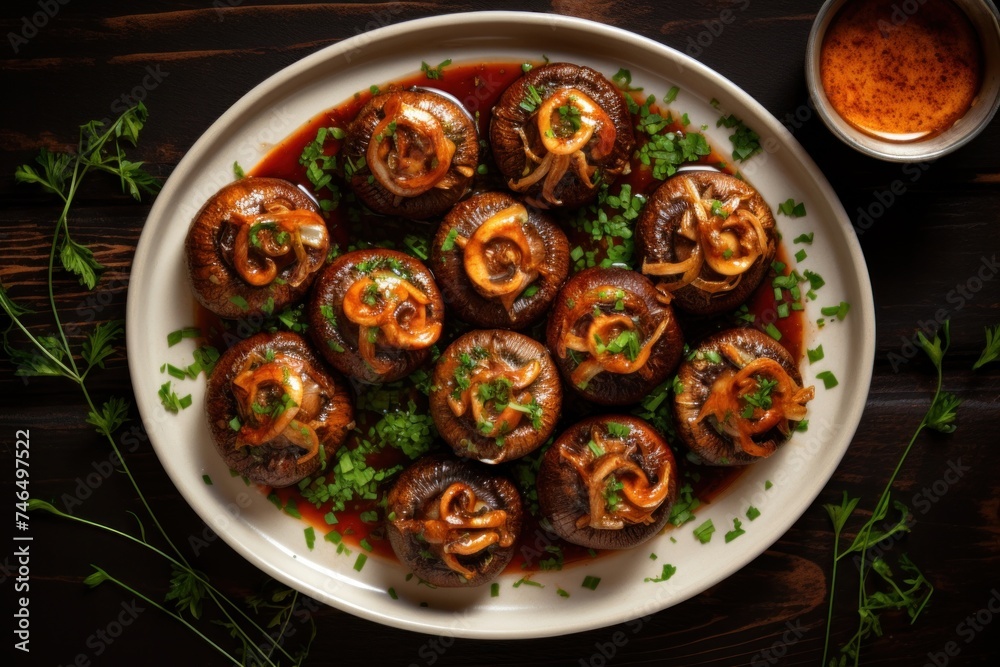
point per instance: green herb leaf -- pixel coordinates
(665, 574)
(992, 349)
(113, 414)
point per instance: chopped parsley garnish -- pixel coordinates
(171, 402)
(704, 531)
(320, 167)
(175, 337)
(449, 240)
(434, 72)
(626, 342)
(532, 99)
(746, 142)
(207, 479)
(767, 485)
(839, 311)
(683, 510)
(616, 430)
(722, 213)
(792, 209)
(591, 582)
(815, 354)
(760, 398)
(829, 379)
(752, 513)
(803, 238)
(611, 498)
(665, 574)
(623, 79)
(800, 255)
(533, 409)
(736, 531)
(815, 280)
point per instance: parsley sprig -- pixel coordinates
(916, 590)
(62, 173)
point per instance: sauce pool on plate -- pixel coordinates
(901, 71)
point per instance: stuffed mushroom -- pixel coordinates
(608, 482)
(454, 523)
(412, 153)
(613, 336)
(498, 262)
(256, 244)
(275, 411)
(708, 238)
(496, 395)
(741, 397)
(374, 314)
(558, 132)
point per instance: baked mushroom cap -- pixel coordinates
(275, 411)
(256, 242)
(454, 523)
(495, 396)
(411, 153)
(613, 336)
(608, 482)
(499, 263)
(708, 238)
(742, 397)
(374, 314)
(559, 131)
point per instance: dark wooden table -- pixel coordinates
(931, 253)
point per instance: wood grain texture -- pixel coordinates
(192, 60)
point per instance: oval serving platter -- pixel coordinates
(782, 487)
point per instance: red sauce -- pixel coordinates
(478, 87)
(902, 71)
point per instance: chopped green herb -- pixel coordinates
(449, 240)
(392, 593)
(752, 513)
(803, 238)
(829, 380)
(746, 142)
(561, 593)
(792, 209)
(532, 99)
(171, 402)
(175, 337)
(239, 302)
(494, 590)
(839, 311)
(704, 531)
(671, 95)
(616, 430)
(767, 485)
(992, 349)
(591, 582)
(434, 72)
(207, 479)
(815, 354)
(815, 280)
(360, 562)
(310, 534)
(665, 574)
(772, 331)
(800, 255)
(736, 531)
(623, 79)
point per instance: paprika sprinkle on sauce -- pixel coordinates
(901, 70)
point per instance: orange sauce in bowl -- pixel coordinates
(901, 70)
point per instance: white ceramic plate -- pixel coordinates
(159, 302)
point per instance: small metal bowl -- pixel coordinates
(986, 20)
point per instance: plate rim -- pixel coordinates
(276, 81)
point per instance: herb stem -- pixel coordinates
(173, 615)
